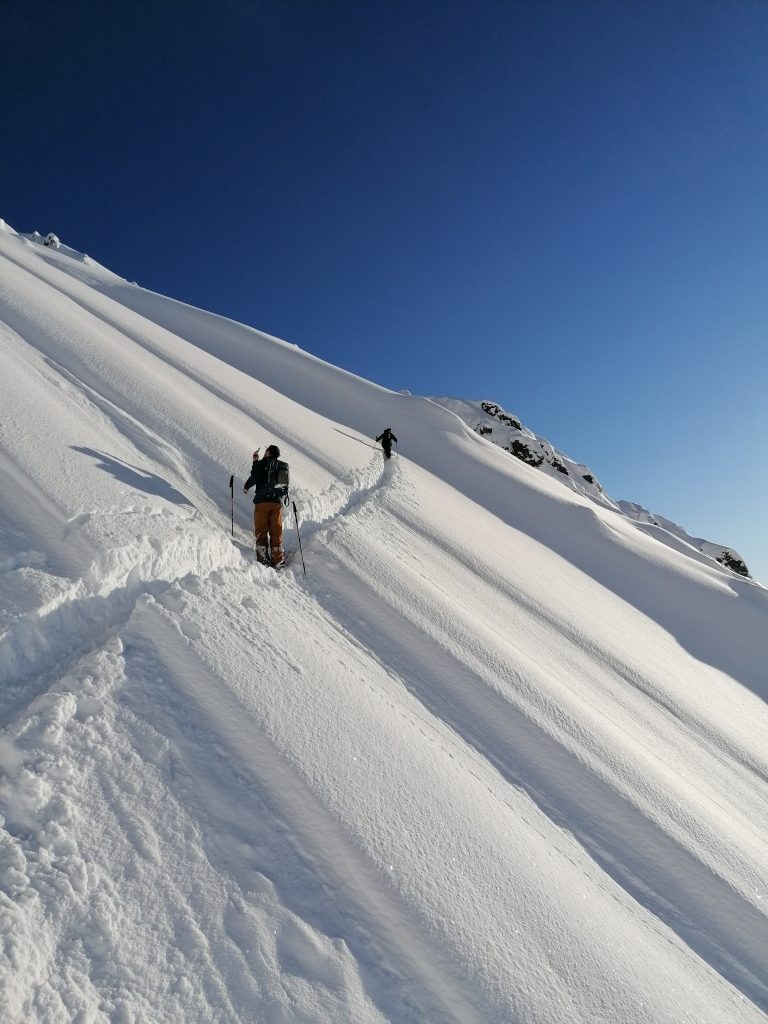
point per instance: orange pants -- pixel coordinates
(268, 526)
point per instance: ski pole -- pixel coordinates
(356, 439)
(296, 517)
(232, 492)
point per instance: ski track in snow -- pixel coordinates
(230, 794)
(659, 873)
(615, 832)
(93, 608)
(116, 610)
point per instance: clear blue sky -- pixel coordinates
(560, 206)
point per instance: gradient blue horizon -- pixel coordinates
(560, 207)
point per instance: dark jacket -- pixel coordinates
(270, 478)
(386, 438)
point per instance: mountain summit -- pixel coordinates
(498, 756)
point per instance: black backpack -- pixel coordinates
(278, 476)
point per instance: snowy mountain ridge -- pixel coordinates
(506, 430)
(498, 757)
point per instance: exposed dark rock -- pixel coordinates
(524, 453)
(504, 418)
(729, 560)
(491, 408)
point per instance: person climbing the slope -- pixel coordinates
(386, 438)
(270, 477)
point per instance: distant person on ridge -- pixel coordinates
(386, 438)
(270, 478)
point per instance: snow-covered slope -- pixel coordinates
(505, 429)
(499, 756)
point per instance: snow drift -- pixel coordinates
(500, 756)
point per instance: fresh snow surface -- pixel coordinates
(499, 756)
